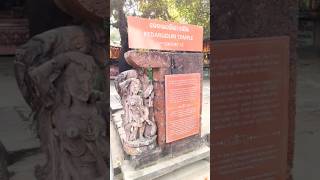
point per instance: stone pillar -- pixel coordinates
(266, 18)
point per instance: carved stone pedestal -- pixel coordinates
(153, 71)
(14, 32)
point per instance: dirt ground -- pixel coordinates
(21, 142)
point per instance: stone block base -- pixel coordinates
(164, 165)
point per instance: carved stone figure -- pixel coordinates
(137, 129)
(56, 72)
(61, 74)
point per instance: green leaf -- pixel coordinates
(150, 74)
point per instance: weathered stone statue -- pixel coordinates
(57, 71)
(62, 75)
(138, 128)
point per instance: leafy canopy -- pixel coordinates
(195, 12)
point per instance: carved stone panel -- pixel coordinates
(13, 33)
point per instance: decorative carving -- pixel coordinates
(13, 32)
(138, 128)
(57, 72)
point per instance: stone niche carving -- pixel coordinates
(137, 128)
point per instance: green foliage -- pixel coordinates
(305, 4)
(183, 11)
(150, 74)
(114, 36)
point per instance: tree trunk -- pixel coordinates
(123, 28)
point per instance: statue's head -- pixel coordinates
(64, 39)
(135, 102)
(135, 86)
(80, 76)
(132, 73)
(76, 39)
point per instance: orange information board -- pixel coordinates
(182, 101)
(163, 35)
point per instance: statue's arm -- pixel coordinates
(44, 75)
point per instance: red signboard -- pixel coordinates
(163, 35)
(183, 98)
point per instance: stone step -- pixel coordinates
(199, 170)
(15, 132)
(164, 166)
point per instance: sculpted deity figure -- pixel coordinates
(56, 72)
(138, 113)
(62, 76)
(137, 99)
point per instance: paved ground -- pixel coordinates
(307, 144)
(16, 135)
(15, 132)
(15, 128)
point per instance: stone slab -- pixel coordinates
(265, 18)
(15, 130)
(15, 133)
(250, 108)
(199, 170)
(115, 103)
(164, 166)
(115, 142)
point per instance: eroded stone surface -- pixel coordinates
(137, 128)
(59, 78)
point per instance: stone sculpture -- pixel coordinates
(138, 128)
(56, 72)
(61, 74)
